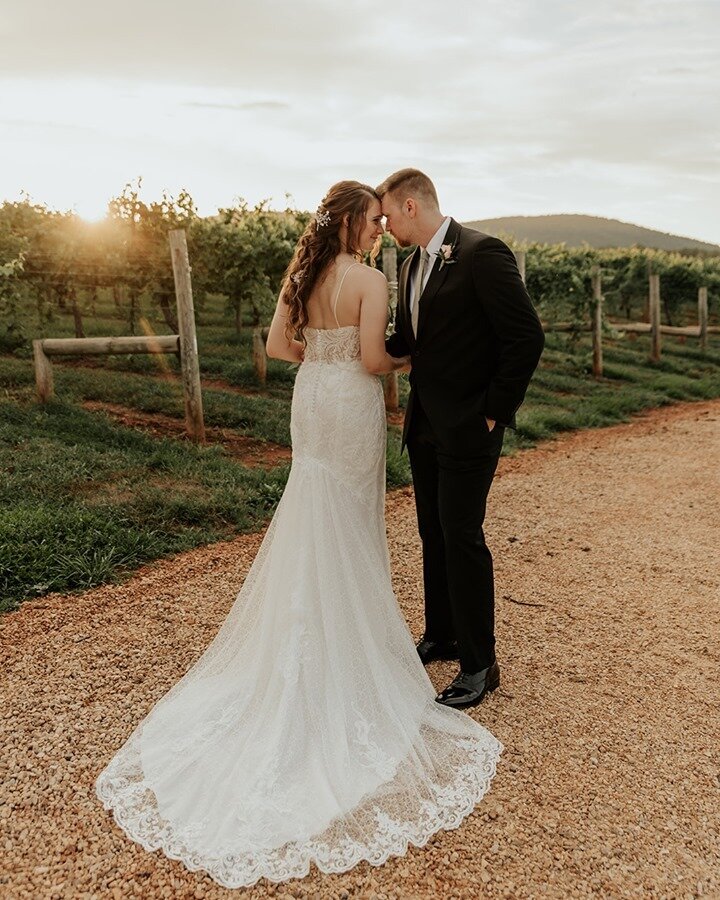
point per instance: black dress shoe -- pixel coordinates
(468, 689)
(431, 650)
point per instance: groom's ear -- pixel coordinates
(411, 207)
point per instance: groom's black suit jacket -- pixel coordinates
(479, 340)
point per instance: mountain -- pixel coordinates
(575, 230)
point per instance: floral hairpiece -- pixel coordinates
(296, 278)
(322, 217)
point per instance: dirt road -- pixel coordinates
(607, 549)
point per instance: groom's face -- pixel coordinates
(397, 221)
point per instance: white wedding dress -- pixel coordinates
(308, 730)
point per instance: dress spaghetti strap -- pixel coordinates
(337, 293)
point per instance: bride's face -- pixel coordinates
(373, 227)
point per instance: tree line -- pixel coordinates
(55, 262)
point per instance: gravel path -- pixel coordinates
(608, 572)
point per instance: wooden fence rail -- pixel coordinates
(184, 344)
(654, 327)
(161, 343)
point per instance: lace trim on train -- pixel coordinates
(132, 803)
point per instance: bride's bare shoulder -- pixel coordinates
(367, 276)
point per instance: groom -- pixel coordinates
(466, 320)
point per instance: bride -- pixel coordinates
(308, 729)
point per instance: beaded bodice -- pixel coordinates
(332, 344)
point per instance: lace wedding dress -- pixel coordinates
(308, 730)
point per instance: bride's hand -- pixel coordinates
(402, 363)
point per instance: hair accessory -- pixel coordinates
(296, 278)
(322, 217)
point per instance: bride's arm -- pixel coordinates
(278, 346)
(373, 322)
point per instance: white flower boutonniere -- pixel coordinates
(447, 254)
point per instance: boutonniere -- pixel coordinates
(447, 254)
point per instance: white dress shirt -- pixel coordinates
(432, 248)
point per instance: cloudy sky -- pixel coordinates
(513, 107)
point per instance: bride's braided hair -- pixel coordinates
(319, 245)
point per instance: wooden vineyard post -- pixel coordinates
(703, 316)
(259, 355)
(43, 373)
(520, 257)
(597, 312)
(188, 339)
(389, 264)
(654, 297)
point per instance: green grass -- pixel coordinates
(84, 501)
(564, 396)
(264, 417)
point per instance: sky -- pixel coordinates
(512, 107)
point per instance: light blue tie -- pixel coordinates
(418, 288)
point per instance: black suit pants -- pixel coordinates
(450, 497)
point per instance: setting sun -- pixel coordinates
(91, 209)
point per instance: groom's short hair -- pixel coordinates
(409, 183)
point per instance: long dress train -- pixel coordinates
(308, 730)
